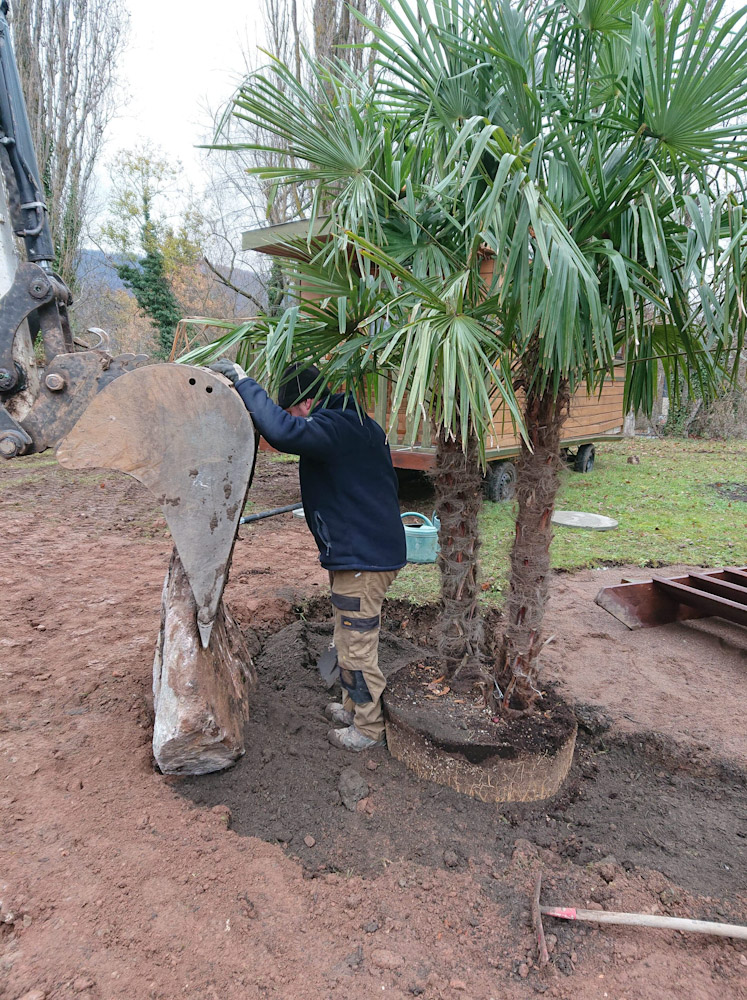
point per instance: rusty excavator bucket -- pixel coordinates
(185, 434)
(182, 432)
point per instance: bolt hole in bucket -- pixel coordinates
(421, 537)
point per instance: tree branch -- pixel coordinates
(230, 284)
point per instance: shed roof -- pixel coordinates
(275, 240)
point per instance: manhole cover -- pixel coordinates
(577, 519)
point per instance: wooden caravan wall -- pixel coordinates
(590, 417)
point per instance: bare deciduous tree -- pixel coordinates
(236, 201)
(336, 29)
(67, 55)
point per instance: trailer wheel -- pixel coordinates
(584, 460)
(499, 482)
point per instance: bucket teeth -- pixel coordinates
(205, 631)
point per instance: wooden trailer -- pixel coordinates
(592, 418)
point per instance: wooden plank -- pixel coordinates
(591, 418)
(403, 458)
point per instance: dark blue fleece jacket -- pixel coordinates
(348, 484)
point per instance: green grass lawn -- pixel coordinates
(667, 508)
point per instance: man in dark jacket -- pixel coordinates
(349, 494)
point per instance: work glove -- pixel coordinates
(229, 369)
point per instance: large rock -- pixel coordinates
(201, 696)
(352, 788)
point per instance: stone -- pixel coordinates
(670, 896)
(352, 788)
(382, 958)
(34, 995)
(450, 859)
(83, 983)
(523, 970)
(457, 984)
(309, 841)
(355, 958)
(578, 519)
(371, 765)
(371, 927)
(200, 696)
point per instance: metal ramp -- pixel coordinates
(716, 592)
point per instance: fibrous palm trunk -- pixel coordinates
(458, 483)
(537, 486)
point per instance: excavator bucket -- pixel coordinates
(185, 434)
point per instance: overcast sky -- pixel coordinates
(183, 56)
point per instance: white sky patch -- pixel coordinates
(183, 58)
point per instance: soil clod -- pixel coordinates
(352, 788)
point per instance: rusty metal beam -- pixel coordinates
(708, 604)
(716, 584)
(642, 605)
(660, 601)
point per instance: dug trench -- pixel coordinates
(636, 804)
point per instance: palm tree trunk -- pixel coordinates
(537, 486)
(458, 483)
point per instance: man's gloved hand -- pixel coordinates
(229, 369)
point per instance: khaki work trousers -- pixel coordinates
(357, 597)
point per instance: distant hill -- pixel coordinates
(95, 267)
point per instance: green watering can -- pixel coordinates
(422, 539)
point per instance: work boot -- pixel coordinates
(336, 713)
(353, 739)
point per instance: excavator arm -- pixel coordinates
(44, 389)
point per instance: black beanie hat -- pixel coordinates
(298, 384)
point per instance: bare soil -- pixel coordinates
(116, 882)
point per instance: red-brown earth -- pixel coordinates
(116, 882)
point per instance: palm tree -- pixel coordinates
(595, 154)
